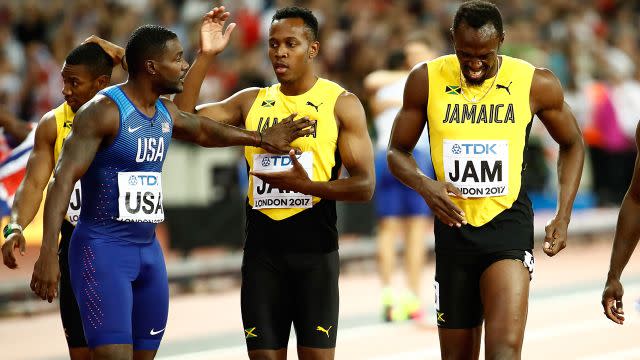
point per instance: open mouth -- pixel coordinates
(280, 68)
(475, 74)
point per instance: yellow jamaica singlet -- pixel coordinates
(318, 149)
(64, 123)
(478, 134)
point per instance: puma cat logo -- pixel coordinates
(313, 105)
(498, 86)
(326, 331)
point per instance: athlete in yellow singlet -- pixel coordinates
(478, 107)
(290, 266)
(87, 70)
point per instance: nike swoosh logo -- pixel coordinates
(155, 332)
(134, 130)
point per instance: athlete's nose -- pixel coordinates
(281, 52)
(66, 90)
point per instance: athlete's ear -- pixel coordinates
(150, 66)
(313, 49)
(102, 81)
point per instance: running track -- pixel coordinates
(565, 319)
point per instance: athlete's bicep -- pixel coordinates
(354, 143)
(94, 124)
(411, 119)
(550, 107)
(41, 160)
(230, 111)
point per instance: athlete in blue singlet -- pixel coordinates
(118, 145)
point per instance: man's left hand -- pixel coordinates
(555, 236)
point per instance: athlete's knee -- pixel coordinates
(503, 353)
(112, 352)
(505, 348)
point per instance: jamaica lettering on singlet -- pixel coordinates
(478, 134)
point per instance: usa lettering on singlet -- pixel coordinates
(122, 189)
(140, 197)
(478, 134)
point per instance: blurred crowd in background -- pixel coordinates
(593, 46)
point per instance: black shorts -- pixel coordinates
(457, 285)
(279, 289)
(69, 312)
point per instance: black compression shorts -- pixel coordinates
(457, 285)
(279, 289)
(69, 312)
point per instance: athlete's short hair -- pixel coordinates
(146, 42)
(91, 55)
(476, 14)
(292, 12)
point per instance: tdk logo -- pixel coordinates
(474, 149)
(276, 161)
(144, 180)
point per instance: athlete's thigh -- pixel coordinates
(504, 288)
(69, 312)
(265, 301)
(458, 304)
(150, 299)
(317, 298)
(101, 274)
(457, 289)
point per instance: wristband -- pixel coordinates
(9, 228)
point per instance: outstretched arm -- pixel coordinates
(95, 122)
(548, 103)
(29, 194)
(624, 242)
(407, 127)
(204, 132)
(356, 153)
(213, 39)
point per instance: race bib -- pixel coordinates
(140, 197)
(479, 168)
(266, 196)
(73, 211)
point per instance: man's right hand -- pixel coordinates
(46, 275)
(277, 138)
(612, 300)
(114, 51)
(436, 195)
(212, 39)
(13, 242)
